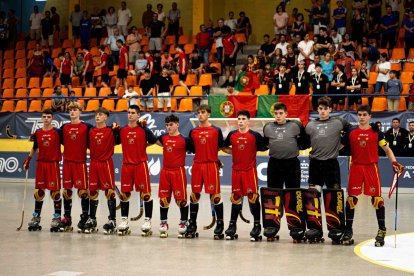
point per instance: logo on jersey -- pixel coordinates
(46, 142)
(131, 139)
(203, 140)
(177, 193)
(227, 108)
(211, 187)
(362, 142)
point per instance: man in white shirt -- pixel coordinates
(35, 24)
(111, 41)
(311, 68)
(132, 95)
(75, 18)
(231, 22)
(282, 45)
(306, 49)
(336, 37)
(124, 18)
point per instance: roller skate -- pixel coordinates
(347, 237)
(81, 223)
(270, 234)
(163, 229)
(314, 236)
(298, 235)
(191, 231)
(218, 231)
(146, 228)
(255, 233)
(90, 226)
(65, 224)
(336, 236)
(34, 224)
(54, 225)
(109, 227)
(123, 228)
(182, 229)
(379, 239)
(231, 231)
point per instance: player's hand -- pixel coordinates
(26, 163)
(397, 167)
(116, 126)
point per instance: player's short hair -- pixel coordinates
(48, 111)
(205, 107)
(244, 113)
(396, 119)
(325, 101)
(279, 106)
(363, 108)
(75, 105)
(318, 65)
(172, 119)
(120, 41)
(135, 107)
(102, 110)
(411, 122)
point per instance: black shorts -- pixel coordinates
(76, 31)
(182, 77)
(285, 171)
(89, 77)
(65, 79)
(121, 74)
(325, 172)
(105, 78)
(228, 61)
(354, 100)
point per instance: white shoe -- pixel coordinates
(146, 227)
(163, 227)
(124, 224)
(182, 227)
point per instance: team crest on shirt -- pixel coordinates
(169, 148)
(372, 189)
(211, 187)
(177, 193)
(131, 139)
(141, 186)
(78, 182)
(362, 142)
(98, 139)
(46, 143)
(203, 140)
(106, 184)
(249, 191)
(226, 109)
(52, 184)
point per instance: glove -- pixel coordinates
(397, 167)
(26, 163)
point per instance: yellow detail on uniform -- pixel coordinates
(215, 199)
(67, 194)
(194, 197)
(110, 194)
(334, 217)
(93, 195)
(351, 203)
(124, 196)
(315, 213)
(293, 216)
(55, 195)
(382, 143)
(145, 196)
(253, 198)
(377, 201)
(299, 202)
(39, 194)
(165, 202)
(181, 203)
(235, 200)
(339, 205)
(82, 193)
(276, 210)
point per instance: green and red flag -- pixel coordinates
(223, 106)
(297, 105)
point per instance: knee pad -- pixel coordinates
(39, 194)
(110, 194)
(377, 202)
(55, 195)
(93, 195)
(165, 201)
(124, 196)
(252, 197)
(235, 199)
(67, 194)
(351, 202)
(82, 193)
(181, 203)
(215, 198)
(145, 196)
(194, 197)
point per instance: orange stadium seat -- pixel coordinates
(47, 83)
(396, 66)
(90, 92)
(8, 73)
(175, 79)
(21, 93)
(47, 104)
(8, 64)
(48, 92)
(104, 91)
(21, 83)
(191, 80)
(34, 93)
(409, 67)
(82, 103)
(180, 91)
(31, 45)
(35, 106)
(188, 48)
(196, 91)
(398, 53)
(20, 73)
(206, 80)
(20, 45)
(8, 83)
(183, 39)
(78, 91)
(122, 105)
(403, 105)
(8, 93)
(67, 43)
(20, 54)
(406, 77)
(92, 105)
(8, 54)
(186, 105)
(21, 106)
(263, 90)
(8, 106)
(132, 80)
(34, 83)
(109, 104)
(379, 104)
(241, 38)
(169, 40)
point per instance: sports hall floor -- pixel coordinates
(46, 253)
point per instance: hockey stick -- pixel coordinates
(213, 221)
(396, 212)
(24, 199)
(118, 193)
(241, 213)
(141, 210)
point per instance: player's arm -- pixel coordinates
(260, 141)
(159, 140)
(265, 138)
(150, 137)
(227, 143)
(26, 163)
(116, 130)
(303, 138)
(190, 143)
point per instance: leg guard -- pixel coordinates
(313, 209)
(184, 213)
(181, 203)
(93, 195)
(148, 205)
(93, 205)
(55, 195)
(145, 196)
(194, 197)
(334, 211)
(295, 213)
(378, 203)
(351, 203)
(219, 210)
(67, 202)
(216, 198)
(235, 199)
(110, 194)
(124, 196)
(255, 210)
(163, 213)
(83, 194)
(39, 194)
(165, 202)
(124, 209)
(112, 208)
(193, 211)
(57, 201)
(253, 197)
(272, 210)
(235, 210)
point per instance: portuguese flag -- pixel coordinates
(297, 105)
(223, 106)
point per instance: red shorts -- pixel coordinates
(101, 175)
(173, 181)
(207, 174)
(366, 175)
(135, 174)
(75, 175)
(244, 182)
(47, 175)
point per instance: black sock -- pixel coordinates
(219, 210)
(148, 205)
(124, 208)
(38, 207)
(255, 210)
(58, 206)
(85, 206)
(67, 205)
(112, 208)
(93, 205)
(380, 212)
(193, 211)
(184, 213)
(164, 213)
(235, 210)
(349, 217)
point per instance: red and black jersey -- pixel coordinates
(74, 137)
(66, 66)
(91, 67)
(123, 63)
(101, 143)
(206, 142)
(364, 145)
(48, 144)
(174, 150)
(182, 63)
(134, 142)
(244, 147)
(229, 43)
(105, 69)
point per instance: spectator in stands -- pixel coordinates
(230, 56)
(12, 21)
(56, 20)
(394, 89)
(361, 6)
(3, 34)
(358, 27)
(141, 64)
(231, 22)
(299, 26)
(124, 18)
(312, 68)
(395, 7)
(66, 70)
(319, 17)
(203, 41)
(156, 33)
(89, 67)
(348, 45)
(174, 16)
(338, 86)
(133, 40)
(373, 28)
(363, 75)
(372, 54)
(324, 41)
(389, 24)
(147, 16)
(346, 62)
(79, 66)
(218, 36)
(150, 61)
(121, 75)
(131, 95)
(85, 29)
(98, 24)
(196, 65)
(396, 137)
(292, 60)
(243, 25)
(301, 79)
(267, 78)
(146, 87)
(408, 25)
(282, 81)
(306, 50)
(408, 145)
(111, 20)
(252, 73)
(339, 15)
(182, 67)
(103, 65)
(35, 24)
(383, 69)
(353, 87)
(111, 41)
(47, 30)
(210, 27)
(75, 19)
(282, 45)
(50, 68)
(320, 85)
(164, 90)
(58, 100)
(72, 98)
(295, 45)
(280, 20)
(411, 98)
(374, 7)
(336, 37)
(291, 20)
(160, 13)
(328, 66)
(166, 60)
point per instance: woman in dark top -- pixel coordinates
(291, 60)
(299, 27)
(363, 74)
(373, 29)
(348, 45)
(358, 27)
(36, 64)
(243, 25)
